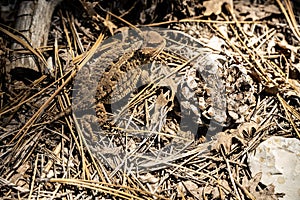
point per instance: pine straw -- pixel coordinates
(44, 154)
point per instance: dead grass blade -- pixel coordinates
(290, 111)
(290, 17)
(23, 43)
(108, 188)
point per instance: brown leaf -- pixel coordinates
(247, 128)
(267, 193)
(214, 6)
(247, 10)
(225, 139)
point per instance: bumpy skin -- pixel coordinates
(113, 65)
(113, 73)
(120, 78)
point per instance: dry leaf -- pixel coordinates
(249, 11)
(263, 194)
(149, 178)
(192, 187)
(214, 6)
(225, 139)
(247, 128)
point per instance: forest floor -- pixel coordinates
(155, 146)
